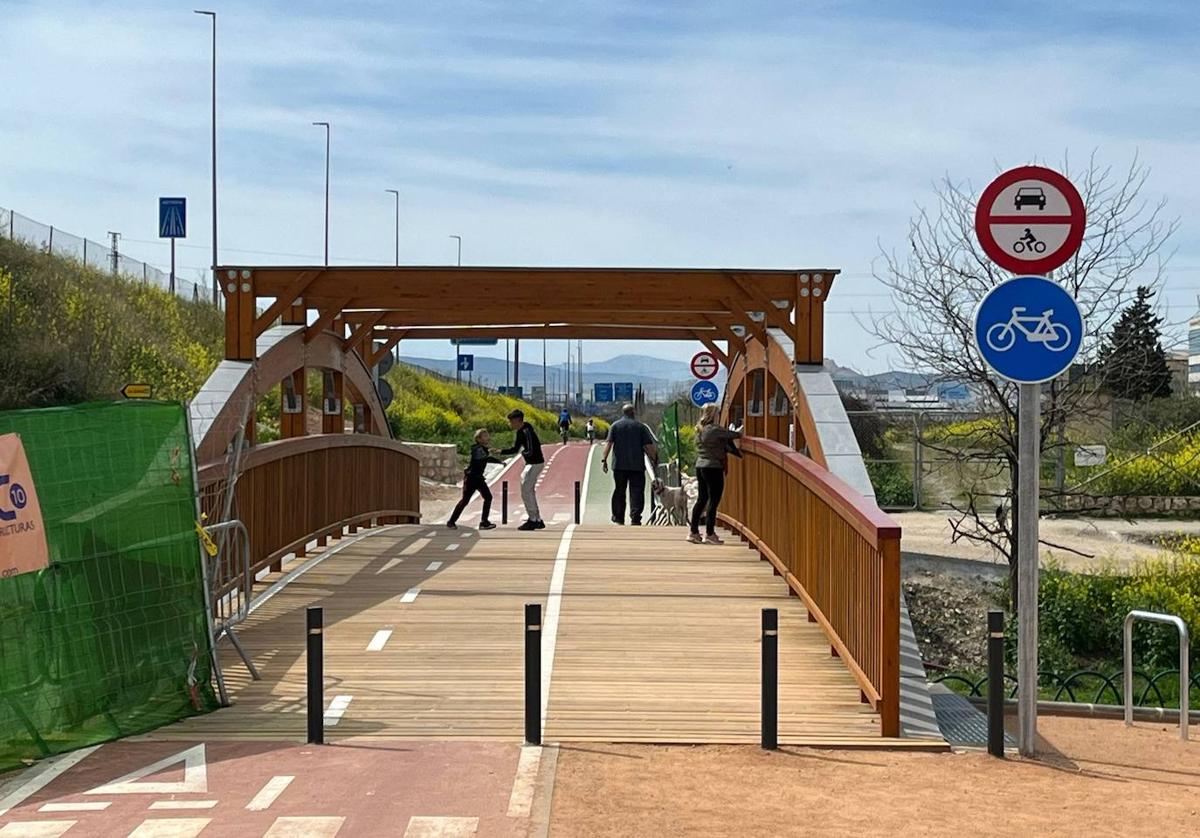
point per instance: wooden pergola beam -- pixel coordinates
(394, 336)
(325, 320)
(711, 346)
(360, 332)
(284, 301)
(553, 332)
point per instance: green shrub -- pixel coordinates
(892, 483)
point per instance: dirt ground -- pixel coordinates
(1096, 778)
(1107, 539)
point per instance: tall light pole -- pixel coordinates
(216, 285)
(327, 132)
(459, 238)
(396, 192)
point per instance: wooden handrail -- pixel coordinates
(837, 551)
(294, 490)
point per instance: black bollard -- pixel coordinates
(504, 502)
(316, 676)
(770, 679)
(995, 694)
(577, 499)
(533, 673)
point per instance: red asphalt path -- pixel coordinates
(565, 464)
(383, 789)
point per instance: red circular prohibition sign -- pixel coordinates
(985, 217)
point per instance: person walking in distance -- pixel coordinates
(473, 481)
(714, 444)
(632, 442)
(529, 447)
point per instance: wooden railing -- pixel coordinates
(295, 490)
(836, 550)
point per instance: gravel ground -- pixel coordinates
(949, 617)
(1094, 778)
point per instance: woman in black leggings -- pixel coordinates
(714, 444)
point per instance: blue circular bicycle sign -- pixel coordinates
(703, 392)
(1028, 329)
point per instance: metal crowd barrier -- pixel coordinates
(230, 584)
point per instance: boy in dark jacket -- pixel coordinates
(473, 481)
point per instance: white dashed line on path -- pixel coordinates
(426, 827)
(409, 595)
(98, 806)
(379, 640)
(337, 709)
(183, 804)
(434, 566)
(269, 793)
(450, 548)
(38, 781)
(313, 827)
(35, 829)
(170, 828)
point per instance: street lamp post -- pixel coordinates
(396, 192)
(216, 286)
(327, 132)
(459, 238)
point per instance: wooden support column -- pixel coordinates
(237, 286)
(803, 336)
(331, 397)
(816, 340)
(293, 424)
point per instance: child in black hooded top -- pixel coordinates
(473, 481)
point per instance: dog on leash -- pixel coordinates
(673, 501)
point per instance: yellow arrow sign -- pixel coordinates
(136, 391)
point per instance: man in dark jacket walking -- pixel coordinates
(632, 442)
(530, 447)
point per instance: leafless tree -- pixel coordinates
(936, 285)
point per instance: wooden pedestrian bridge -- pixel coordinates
(646, 638)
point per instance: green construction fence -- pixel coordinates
(111, 638)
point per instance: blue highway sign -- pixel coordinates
(1028, 329)
(623, 391)
(704, 392)
(466, 363)
(602, 393)
(172, 218)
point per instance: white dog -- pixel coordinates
(673, 501)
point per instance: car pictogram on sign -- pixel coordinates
(1031, 196)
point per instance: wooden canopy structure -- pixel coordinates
(386, 305)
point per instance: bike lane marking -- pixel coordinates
(270, 792)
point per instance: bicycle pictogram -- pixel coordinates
(1054, 336)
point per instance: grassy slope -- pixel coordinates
(428, 409)
(73, 333)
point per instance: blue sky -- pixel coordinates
(750, 134)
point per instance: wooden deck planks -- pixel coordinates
(658, 641)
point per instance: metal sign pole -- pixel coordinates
(1028, 447)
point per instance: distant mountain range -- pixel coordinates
(659, 377)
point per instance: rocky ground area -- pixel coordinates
(949, 617)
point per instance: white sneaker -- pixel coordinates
(694, 538)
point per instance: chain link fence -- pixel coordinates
(102, 257)
(1121, 458)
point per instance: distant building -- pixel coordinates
(1193, 369)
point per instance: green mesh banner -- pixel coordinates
(106, 640)
(668, 440)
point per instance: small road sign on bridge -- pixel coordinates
(704, 392)
(466, 363)
(704, 366)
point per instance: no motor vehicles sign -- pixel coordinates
(704, 366)
(1030, 220)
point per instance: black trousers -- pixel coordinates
(471, 485)
(712, 485)
(633, 480)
